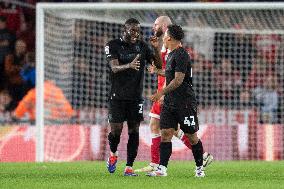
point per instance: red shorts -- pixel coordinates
(155, 110)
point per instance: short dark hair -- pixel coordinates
(176, 32)
(3, 18)
(131, 21)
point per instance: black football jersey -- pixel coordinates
(128, 84)
(179, 61)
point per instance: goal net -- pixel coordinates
(238, 78)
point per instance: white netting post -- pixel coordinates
(39, 84)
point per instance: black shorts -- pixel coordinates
(185, 116)
(125, 110)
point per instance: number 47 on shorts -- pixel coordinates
(189, 121)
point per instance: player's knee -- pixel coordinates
(116, 129)
(133, 129)
(166, 135)
(176, 133)
(155, 129)
(193, 138)
(155, 126)
(116, 132)
(115, 139)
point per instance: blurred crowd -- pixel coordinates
(240, 71)
(17, 54)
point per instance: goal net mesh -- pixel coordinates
(237, 72)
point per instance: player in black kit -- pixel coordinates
(180, 105)
(128, 57)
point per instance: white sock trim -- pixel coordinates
(154, 115)
(180, 134)
(154, 165)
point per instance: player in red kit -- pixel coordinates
(159, 28)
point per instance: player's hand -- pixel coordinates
(154, 41)
(156, 97)
(152, 69)
(135, 64)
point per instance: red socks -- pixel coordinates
(184, 139)
(155, 148)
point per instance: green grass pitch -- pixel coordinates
(227, 174)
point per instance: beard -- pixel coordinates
(159, 32)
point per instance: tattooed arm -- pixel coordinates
(115, 67)
(175, 83)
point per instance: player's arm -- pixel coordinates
(160, 72)
(161, 101)
(156, 58)
(112, 56)
(115, 67)
(175, 83)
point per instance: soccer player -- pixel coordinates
(159, 28)
(127, 56)
(180, 105)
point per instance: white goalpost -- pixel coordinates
(238, 52)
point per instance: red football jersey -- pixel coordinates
(164, 55)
